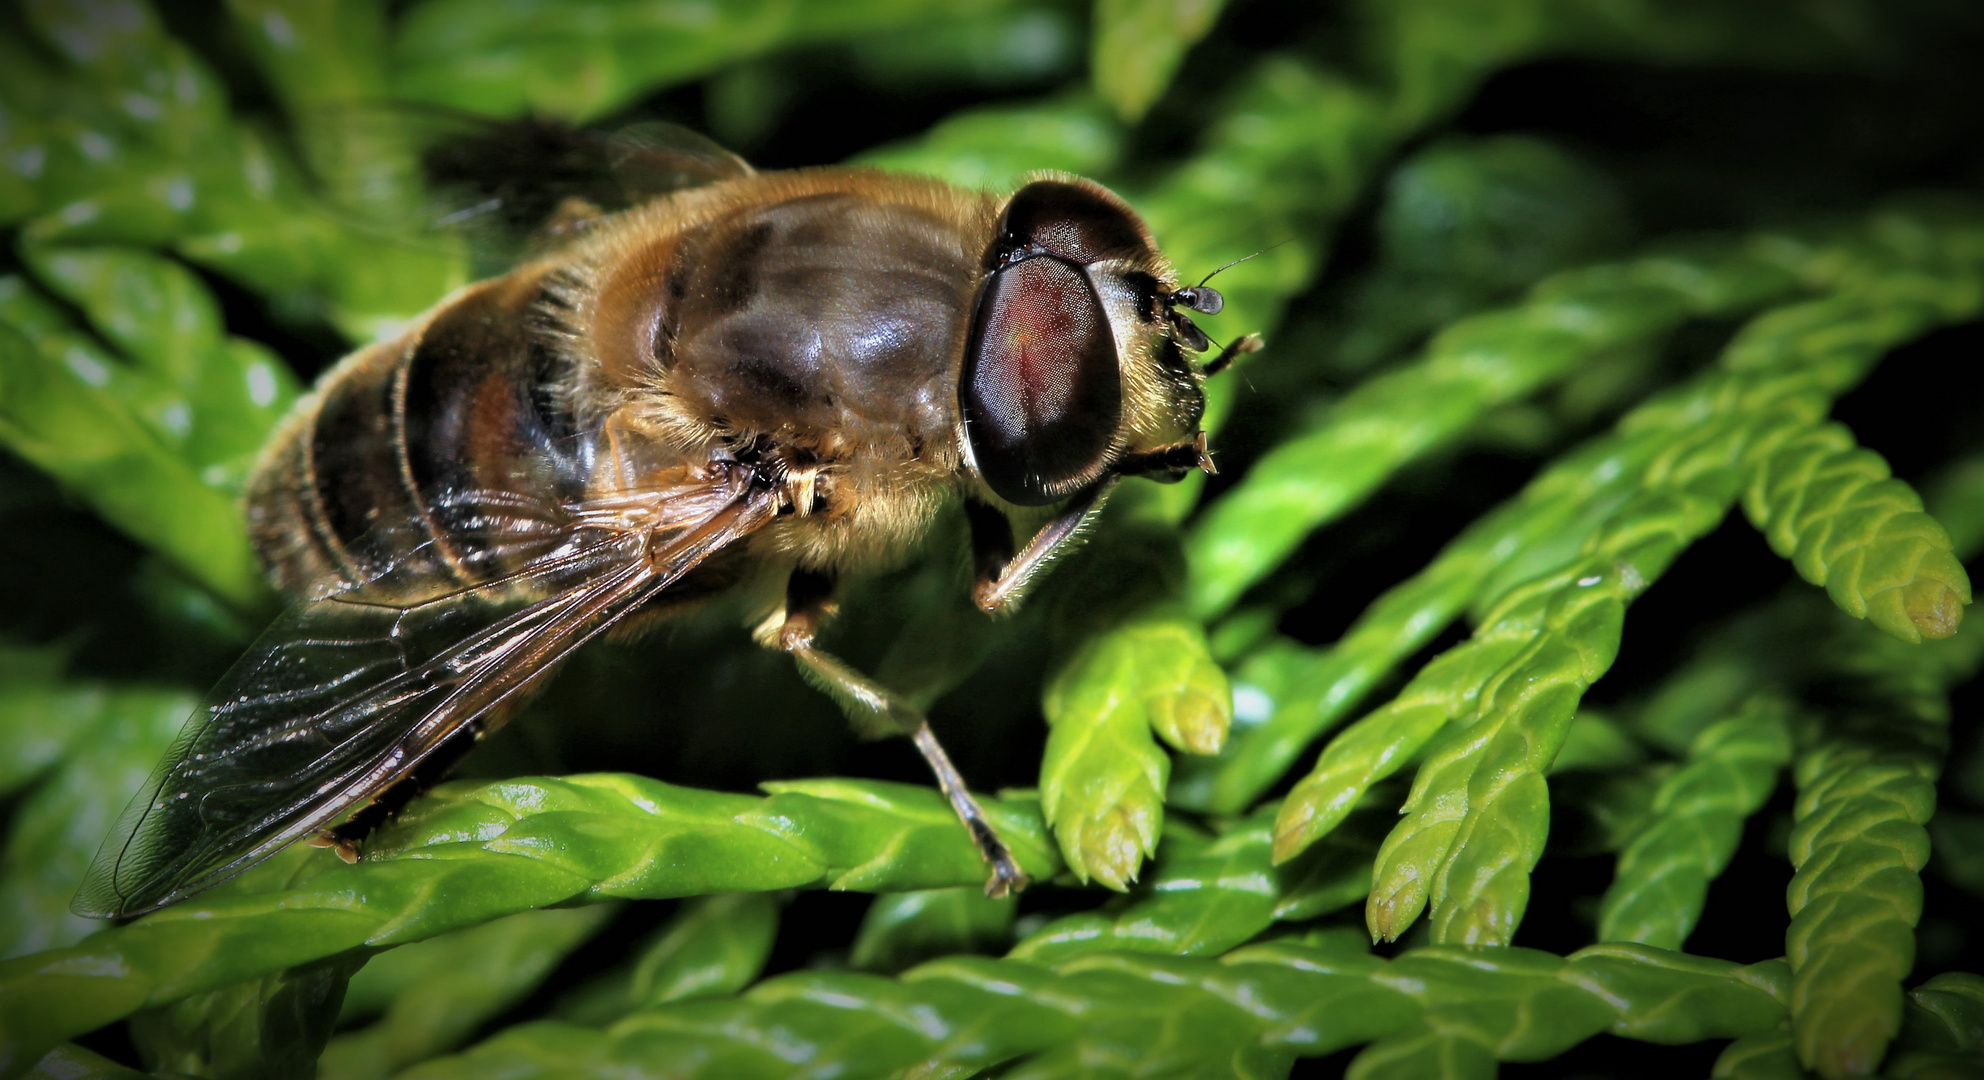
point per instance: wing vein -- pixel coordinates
(344, 695)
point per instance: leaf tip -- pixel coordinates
(1109, 847)
(1195, 721)
(1933, 607)
(1292, 829)
(1390, 912)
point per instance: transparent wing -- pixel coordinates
(655, 158)
(346, 694)
(524, 187)
(510, 188)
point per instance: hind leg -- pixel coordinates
(348, 838)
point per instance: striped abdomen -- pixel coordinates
(432, 458)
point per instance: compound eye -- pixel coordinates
(1041, 393)
(1071, 222)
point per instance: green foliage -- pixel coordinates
(271, 1027)
(1831, 507)
(1573, 319)
(437, 992)
(1466, 223)
(63, 412)
(122, 134)
(1859, 847)
(1693, 825)
(199, 204)
(1245, 1014)
(114, 736)
(44, 718)
(71, 1062)
(583, 60)
(465, 856)
(903, 929)
(717, 945)
(1138, 44)
(1507, 695)
(1509, 544)
(995, 147)
(1102, 779)
(714, 945)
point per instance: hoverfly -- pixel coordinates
(742, 380)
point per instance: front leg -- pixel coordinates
(1003, 576)
(876, 711)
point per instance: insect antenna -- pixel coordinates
(1208, 301)
(1238, 261)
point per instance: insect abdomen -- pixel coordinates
(424, 457)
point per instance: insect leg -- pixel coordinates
(991, 540)
(1233, 351)
(1178, 459)
(875, 710)
(1001, 581)
(348, 839)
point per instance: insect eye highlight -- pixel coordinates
(1041, 393)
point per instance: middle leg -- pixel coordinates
(876, 711)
